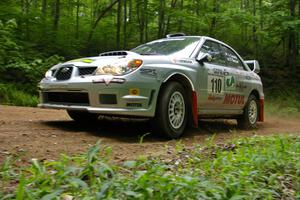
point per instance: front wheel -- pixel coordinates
(83, 117)
(250, 116)
(171, 114)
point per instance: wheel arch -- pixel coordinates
(255, 93)
(181, 78)
(188, 86)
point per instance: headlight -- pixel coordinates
(49, 74)
(119, 68)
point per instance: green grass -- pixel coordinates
(249, 168)
(283, 102)
(11, 95)
(283, 107)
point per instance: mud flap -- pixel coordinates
(195, 109)
(261, 110)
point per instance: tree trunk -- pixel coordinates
(56, 15)
(298, 39)
(130, 11)
(145, 16)
(214, 19)
(254, 28)
(44, 9)
(261, 15)
(197, 12)
(125, 25)
(100, 16)
(77, 19)
(292, 47)
(167, 26)
(180, 21)
(25, 10)
(161, 18)
(141, 18)
(119, 23)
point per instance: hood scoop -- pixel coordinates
(118, 53)
(114, 53)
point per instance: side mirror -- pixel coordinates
(253, 65)
(204, 57)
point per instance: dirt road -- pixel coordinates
(45, 134)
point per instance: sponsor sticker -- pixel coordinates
(234, 99)
(230, 83)
(218, 72)
(149, 72)
(215, 84)
(134, 91)
(84, 60)
(212, 97)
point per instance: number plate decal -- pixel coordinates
(215, 84)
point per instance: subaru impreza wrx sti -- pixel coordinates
(173, 81)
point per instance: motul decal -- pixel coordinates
(214, 98)
(234, 99)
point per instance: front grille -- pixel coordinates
(67, 97)
(64, 73)
(86, 70)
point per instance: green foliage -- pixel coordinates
(31, 32)
(11, 95)
(283, 106)
(249, 168)
(16, 67)
(9, 49)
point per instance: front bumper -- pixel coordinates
(141, 112)
(140, 103)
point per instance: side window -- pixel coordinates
(232, 59)
(214, 50)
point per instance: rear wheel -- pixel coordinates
(171, 114)
(82, 116)
(250, 116)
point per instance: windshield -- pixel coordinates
(182, 47)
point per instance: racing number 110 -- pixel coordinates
(216, 85)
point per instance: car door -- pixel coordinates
(212, 79)
(234, 84)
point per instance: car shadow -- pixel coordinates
(135, 130)
(124, 130)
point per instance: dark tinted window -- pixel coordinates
(231, 58)
(214, 50)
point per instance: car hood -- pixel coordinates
(115, 61)
(116, 57)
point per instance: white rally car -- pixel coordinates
(172, 81)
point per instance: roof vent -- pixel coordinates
(114, 53)
(175, 35)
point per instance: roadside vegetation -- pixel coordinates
(11, 95)
(283, 106)
(248, 168)
(35, 35)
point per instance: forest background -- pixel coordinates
(36, 34)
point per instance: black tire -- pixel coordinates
(250, 116)
(166, 109)
(82, 116)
